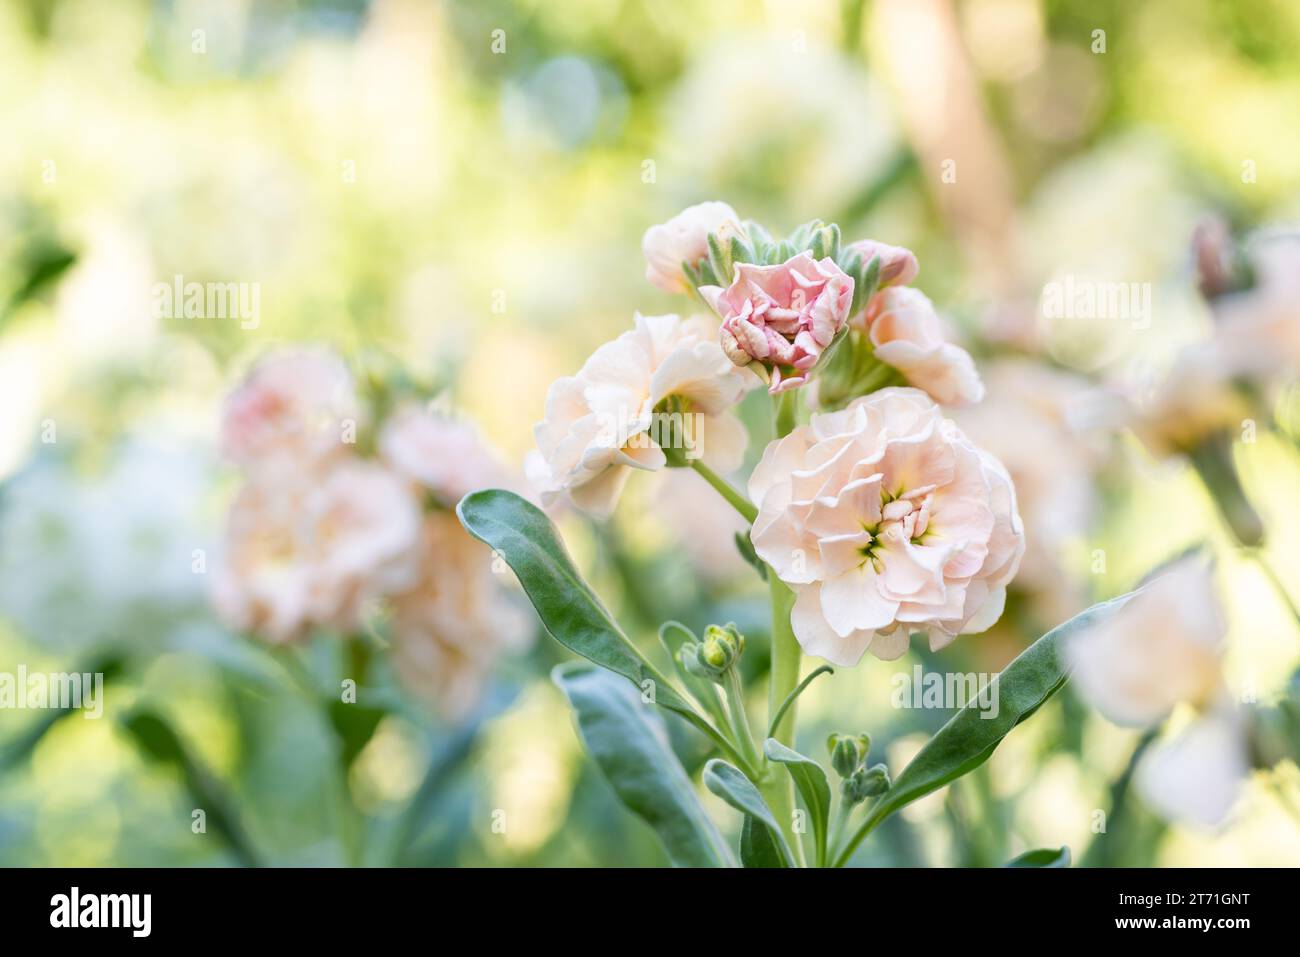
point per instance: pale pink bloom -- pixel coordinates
(1197, 398)
(906, 333)
(783, 316)
(294, 410)
(447, 457)
(1196, 776)
(600, 425)
(684, 239)
(1258, 331)
(898, 266)
(314, 551)
(886, 520)
(1164, 647)
(450, 630)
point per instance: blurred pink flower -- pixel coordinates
(292, 410)
(447, 457)
(453, 626)
(898, 266)
(315, 550)
(684, 238)
(885, 520)
(1164, 647)
(783, 315)
(1196, 776)
(906, 333)
(600, 424)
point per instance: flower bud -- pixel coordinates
(865, 783)
(716, 654)
(898, 266)
(848, 752)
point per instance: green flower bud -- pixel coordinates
(713, 657)
(848, 752)
(865, 783)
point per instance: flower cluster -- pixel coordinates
(320, 536)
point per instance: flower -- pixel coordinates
(898, 266)
(315, 550)
(450, 629)
(782, 315)
(905, 331)
(291, 410)
(1198, 398)
(1165, 646)
(601, 423)
(1196, 776)
(885, 519)
(447, 457)
(1258, 331)
(683, 239)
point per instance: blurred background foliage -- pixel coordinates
(422, 192)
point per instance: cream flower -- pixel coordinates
(447, 457)
(1197, 398)
(314, 551)
(451, 629)
(600, 424)
(1165, 646)
(684, 239)
(1258, 331)
(906, 333)
(782, 315)
(1196, 776)
(886, 520)
(291, 411)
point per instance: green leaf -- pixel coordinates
(1042, 857)
(746, 549)
(355, 725)
(629, 743)
(522, 534)
(730, 784)
(811, 782)
(757, 849)
(159, 743)
(967, 740)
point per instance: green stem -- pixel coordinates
(739, 720)
(865, 828)
(790, 698)
(734, 498)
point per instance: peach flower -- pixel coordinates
(452, 627)
(1258, 331)
(1164, 647)
(447, 457)
(1196, 776)
(783, 315)
(313, 551)
(684, 239)
(906, 333)
(600, 424)
(898, 266)
(292, 410)
(886, 520)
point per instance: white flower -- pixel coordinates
(445, 456)
(1164, 647)
(600, 425)
(684, 239)
(1196, 776)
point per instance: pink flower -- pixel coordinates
(783, 316)
(600, 424)
(905, 331)
(453, 626)
(315, 550)
(898, 266)
(684, 238)
(885, 520)
(447, 457)
(1164, 647)
(291, 411)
